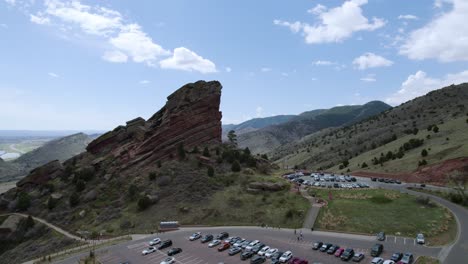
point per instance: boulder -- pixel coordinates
(90, 196)
(43, 174)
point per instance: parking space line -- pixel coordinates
(404, 241)
(136, 245)
(395, 240)
(192, 260)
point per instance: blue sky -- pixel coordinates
(96, 64)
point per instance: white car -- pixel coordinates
(252, 244)
(271, 252)
(169, 260)
(195, 236)
(155, 241)
(389, 262)
(286, 257)
(239, 242)
(148, 251)
(420, 239)
(214, 243)
(377, 261)
(263, 251)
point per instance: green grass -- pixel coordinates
(371, 211)
(444, 195)
(438, 146)
(426, 260)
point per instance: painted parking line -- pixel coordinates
(404, 240)
(395, 240)
(136, 245)
(108, 259)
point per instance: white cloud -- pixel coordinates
(187, 60)
(11, 2)
(419, 84)
(370, 60)
(144, 82)
(228, 69)
(335, 24)
(115, 56)
(445, 38)
(324, 63)
(4, 25)
(369, 78)
(259, 111)
(39, 19)
(265, 69)
(284, 74)
(53, 75)
(408, 17)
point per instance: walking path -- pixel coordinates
(313, 212)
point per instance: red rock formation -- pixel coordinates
(191, 115)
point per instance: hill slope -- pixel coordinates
(360, 143)
(58, 149)
(255, 124)
(268, 138)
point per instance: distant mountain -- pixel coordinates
(255, 124)
(270, 137)
(392, 141)
(58, 149)
(43, 133)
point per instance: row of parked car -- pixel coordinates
(347, 254)
(254, 250)
(158, 244)
(385, 180)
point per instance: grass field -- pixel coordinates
(441, 194)
(372, 211)
(426, 260)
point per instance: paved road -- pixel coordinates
(284, 239)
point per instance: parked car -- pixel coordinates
(377, 261)
(332, 249)
(339, 252)
(234, 250)
(376, 250)
(257, 248)
(222, 235)
(397, 181)
(317, 245)
(271, 252)
(207, 238)
(396, 256)
(406, 259)
(245, 244)
(214, 243)
(257, 259)
(169, 260)
(246, 255)
(286, 257)
(224, 246)
(358, 257)
(276, 256)
(381, 236)
(420, 239)
(252, 244)
(374, 179)
(294, 260)
(263, 250)
(301, 261)
(389, 261)
(165, 244)
(195, 236)
(148, 251)
(155, 241)
(239, 242)
(347, 254)
(325, 247)
(174, 251)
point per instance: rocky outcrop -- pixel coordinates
(191, 116)
(265, 186)
(43, 174)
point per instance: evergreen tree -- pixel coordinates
(236, 166)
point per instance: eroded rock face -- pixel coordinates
(266, 186)
(43, 174)
(191, 115)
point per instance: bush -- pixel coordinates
(206, 152)
(80, 185)
(435, 129)
(152, 176)
(144, 202)
(74, 199)
(24, 201)
(158, 163)
(210, 171)
(364, 165)
(380, 199)
(236, 166)
(51, 203)
(181, 151)
(264, 156)
(422, 162)
(132, 191)
(424, 153)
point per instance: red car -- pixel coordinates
(339, 252)
(298, 261)
(224, 247)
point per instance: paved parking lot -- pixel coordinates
(198, 253)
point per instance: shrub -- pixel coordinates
(152, 176)
(132, 191)
(264, 156)
(144, 202)
(51, 203)
(210, 171)
(236, 166)
(364, 165)
(422, 162)
(424, 153)
(206, 152)
(74, 199)
(181, 150)
(380, 199)
(435, 129)
(80, 185)
(24, 201)
(158, 163)
(195, 150)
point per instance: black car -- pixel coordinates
(358, 257)
(233, 251)
(376, 250)
(207, 238)
(317, 245)
(165, 244)
(325, 247)
(396, 256)
(174, 251)
(373, 179)
(222, 235)
(246, 255)
(257, 248)
(381, 236)
(257, 259)
(381, 179)
(347, 254)
(398, 182)
(277, 255)
(353, 179)
(333, 249)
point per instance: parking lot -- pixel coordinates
(197, 253)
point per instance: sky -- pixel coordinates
(93, 65)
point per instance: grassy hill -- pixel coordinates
(437, 121)
(266, 139)
(255, 124)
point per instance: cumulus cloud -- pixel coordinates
(419, 84)
(369, 78)
(10, 2)
(408, 17)
(370, 60)
(144, 82)
(335, 24)
(265, 69)
(324, 63)
(53, 75)
(187, 60)
(259, 111)
(124, 41)
(445, 38)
